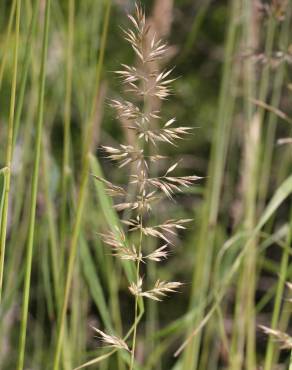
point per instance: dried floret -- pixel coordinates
(159, 231)
(117, 240)
(126, 154)
(168, 185)
(143, 203)
(111, 340)
(159, 254)
(165, 134)
(111, 189)
(160, 289)
(284, 339)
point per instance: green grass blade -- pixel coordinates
(108, 210)
(94, 284)
(279, 297)
(25, 68)
(67, 121)
(6, 46)
(3, 181)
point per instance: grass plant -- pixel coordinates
(81, 256)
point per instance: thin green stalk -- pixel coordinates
(278, 299)
(139, 253)
(81, 196)
(3, 173)
(24, 72)
(53, 239)
(34, 188)
(19, 186)
(136, 296)
(9, 149)
(21, 203)
(284, 316)
(271, 351)
(67, 122)
(39, 333)
(152, 310)
(247, 307)
(255, 123)
(6, 47)
(277, 322)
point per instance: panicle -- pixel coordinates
(147, 83)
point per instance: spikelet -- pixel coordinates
(117, 241)
(158, 231)
(160, 289)
(158, 255)
(283, 339)
(111, 340)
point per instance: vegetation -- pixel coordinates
(84, 262)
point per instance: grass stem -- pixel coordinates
(9, 149)
(34, 188)
(67, 122)
(136, 297)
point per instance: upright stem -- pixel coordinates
(9, 150)
(279, 297)
(139, 253)
(290, 362)
(25, 67)
(67, 122)
(34, 188)
(6, 46)
(136, 296)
